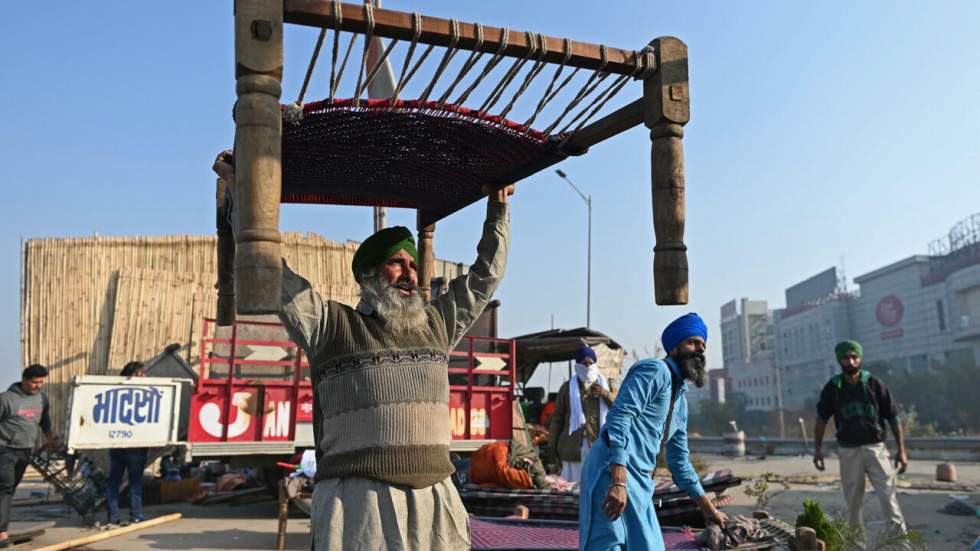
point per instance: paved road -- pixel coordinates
(224, 527)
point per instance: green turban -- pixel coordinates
(380, 247)
(844, 347)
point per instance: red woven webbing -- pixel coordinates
(402, 154)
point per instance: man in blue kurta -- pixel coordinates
(616, 506)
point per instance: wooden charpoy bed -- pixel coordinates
(435, 151)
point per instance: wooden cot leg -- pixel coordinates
(426, 258)
(258, 174)
(667, 109)
(226, 260)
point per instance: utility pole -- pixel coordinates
(779, 401)
(588, 276)
(382, 87)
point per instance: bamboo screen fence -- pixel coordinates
(89, 305)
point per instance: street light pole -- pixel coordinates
(588, 288)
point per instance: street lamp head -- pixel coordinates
(559, 172)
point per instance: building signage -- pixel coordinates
(892, 334)
(127, 405)
(889, 311)
(120, 412)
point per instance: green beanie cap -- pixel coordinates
(844, 347)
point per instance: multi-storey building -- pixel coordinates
(920, 312)
(747, 350)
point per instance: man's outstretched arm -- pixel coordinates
(470, 293)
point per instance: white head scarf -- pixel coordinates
(588, 374)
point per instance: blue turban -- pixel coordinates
(585, 352)
(688, 325)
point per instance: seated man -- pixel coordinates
(511, 464)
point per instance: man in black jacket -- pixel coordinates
(860, 405)
(23, 410)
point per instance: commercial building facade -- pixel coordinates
(918, 313)
(748, 355)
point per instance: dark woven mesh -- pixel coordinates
(402, 155)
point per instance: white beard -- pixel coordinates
(401, 315)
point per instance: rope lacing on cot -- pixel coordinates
(639, 65)
(531, 75)
(338, 19)
(498, 91)
(594, 80)
(379, 64)
(470, 62)
(616, 84)
(368, 35)
(311, 66)
(488, 68)
(404, 77)
(548, 94)
(446, 58)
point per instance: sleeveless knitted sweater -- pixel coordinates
(383, 400)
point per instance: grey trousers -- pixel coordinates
(359, 514)
(874, 462)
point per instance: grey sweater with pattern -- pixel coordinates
(381, 401)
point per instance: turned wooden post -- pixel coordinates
(226, 259)
(427, 258)
(667, 109)
(258, 129)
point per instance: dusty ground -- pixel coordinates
(253, 526)
(940, 531)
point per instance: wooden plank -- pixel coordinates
(435, 30)
(79, 542)
(621, 120)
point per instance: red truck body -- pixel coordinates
(253, 392)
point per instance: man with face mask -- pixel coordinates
(580, 411)
(650, 415)
(860, 404)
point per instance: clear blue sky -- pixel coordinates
(819, 130)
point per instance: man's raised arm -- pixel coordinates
(303, 312)
(470, 293)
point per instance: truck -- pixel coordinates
(250, 397)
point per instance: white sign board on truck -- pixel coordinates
(123, 412)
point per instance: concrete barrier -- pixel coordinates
(937, 449)
(735, 444)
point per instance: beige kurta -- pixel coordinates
(360, 514)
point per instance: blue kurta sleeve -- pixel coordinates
(643, 381)
(678, 455)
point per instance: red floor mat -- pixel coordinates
(528, 535)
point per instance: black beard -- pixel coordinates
(693, 368)
(848, 370)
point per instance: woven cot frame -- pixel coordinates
(249, 263)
